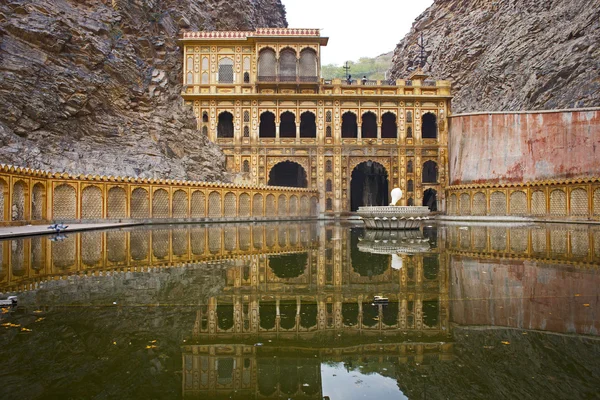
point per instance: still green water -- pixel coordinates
(286, 311)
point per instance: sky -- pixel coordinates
(364, 29)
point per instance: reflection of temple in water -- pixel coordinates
(311, 307)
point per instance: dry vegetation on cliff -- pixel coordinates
(510, 55)
(92, 86)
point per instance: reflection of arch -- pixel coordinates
(369, 125)
(38, 202)
(350, 314)
(431, 266)
(160, 204)
(328, 166)
(308, 125)
(349, 125)
(138, 242)
(288, 173)
(225, 125)
(409, 167)
(91, 203)
(410, 186)
(366, 264)
(116, 203)
(198, 206)
(429, 172)
(287, 266)
(287, 125)
(225, 70)
(389, 128)
(225, 316)
(390, 314)
(430, 199)
(117, 245)
(18, 201)
(368, 185)
(267, 314)
(370, 314)
(431, 311)
(308, 315)
(266, 128)
(64, 202)
(307, 66)
(180, 204)
(267, 64)
(287, 314)
(429, 126)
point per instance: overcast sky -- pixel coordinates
(368, 30)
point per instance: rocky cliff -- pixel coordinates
(510, 55)
(92, 86)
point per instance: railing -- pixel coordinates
(288, 79)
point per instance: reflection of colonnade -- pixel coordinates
(568, 244)
(29, 260)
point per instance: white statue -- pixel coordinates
(396, 196)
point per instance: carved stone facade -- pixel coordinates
(259, 96)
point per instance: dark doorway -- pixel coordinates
(429, 172)
(389, 128)
(288, 173)
(308, 125)
(225, 125)
(287, 126)
(429, 126)
(430, 199)
(369, 185)
(369, 126)
(349, 125)
(267, 125)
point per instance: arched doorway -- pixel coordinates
(430, 199)
(288, 173)
(369, 185)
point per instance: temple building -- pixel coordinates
(260, 96)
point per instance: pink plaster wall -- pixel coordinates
(525, 295)
(524, 147)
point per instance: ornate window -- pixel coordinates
(429, 172)
(349, 125)
(308, 65)
(287, 65)
(287, 125)
(267, 65)
(328, 167)
(429, 126)
(369, 125)
(308, 125)
(226, 70)
(246, 166)
(328, 186)
(267, 125)
(389, 129)
(225, 125)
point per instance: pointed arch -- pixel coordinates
(308, 125)
(266, 128)
(369, 125)
(349, 125)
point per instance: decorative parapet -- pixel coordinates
(38, 195)
(554, 199)
(220, 35)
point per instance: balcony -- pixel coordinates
(288, 79)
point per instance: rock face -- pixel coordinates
(93, 86)
(510, 55)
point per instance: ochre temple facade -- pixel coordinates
(259, 95)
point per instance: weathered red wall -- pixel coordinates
(525, 295)
(524, 147)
